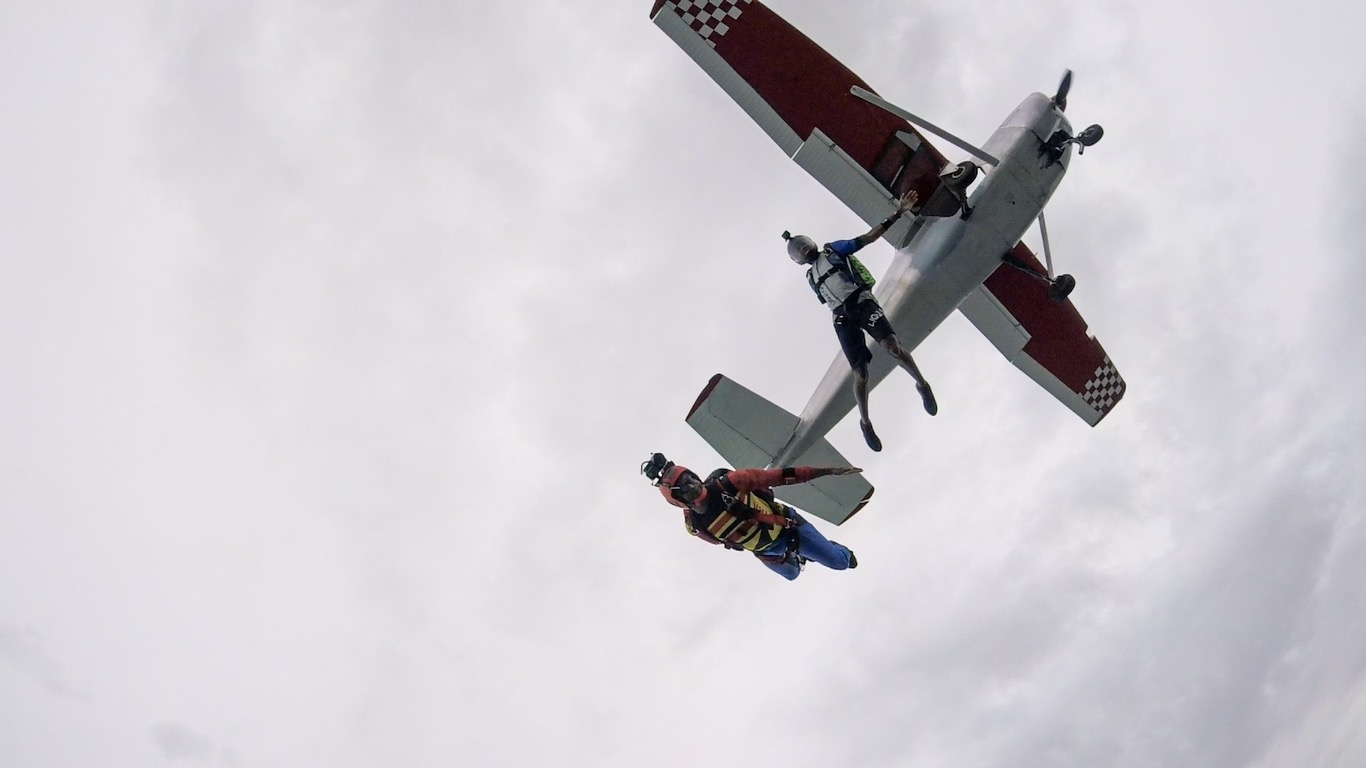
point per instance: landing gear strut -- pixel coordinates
(957, 180)
(1058, 288)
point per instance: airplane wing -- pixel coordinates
(1045, 339)
(867, 157)
(799, 95)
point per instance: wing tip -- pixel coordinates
(1105, 388)
(706, 392)
(859, 507)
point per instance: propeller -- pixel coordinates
(1058, 142)
(1060, 98)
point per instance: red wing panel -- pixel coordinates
(806, 87)
(1058, 339)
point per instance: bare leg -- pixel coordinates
(861, 397)
(899, 353)
(861, 392)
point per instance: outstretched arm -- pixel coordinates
(752, 479)
(905, 204)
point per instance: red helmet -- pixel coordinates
(678, 485)
(682, 487)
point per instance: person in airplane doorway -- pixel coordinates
(843, 285)
(736, 509)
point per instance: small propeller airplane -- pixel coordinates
(961, 250)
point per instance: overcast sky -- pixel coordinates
(332, 335)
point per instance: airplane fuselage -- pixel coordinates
(946, 259)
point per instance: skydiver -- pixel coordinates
(843, 285)
(736, 509)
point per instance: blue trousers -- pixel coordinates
(811, 545)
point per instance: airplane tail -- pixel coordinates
(749, 431)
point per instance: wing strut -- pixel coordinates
(1047, 253)
(883, 104)
(1058, 287)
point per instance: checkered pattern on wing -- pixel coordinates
(708, 18)
(1104, 388)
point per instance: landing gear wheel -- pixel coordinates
(1061, 287)
(962, 175)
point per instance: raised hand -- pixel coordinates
(908, 202)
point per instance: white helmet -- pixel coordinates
(801, 248)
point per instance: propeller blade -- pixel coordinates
(1066, 85)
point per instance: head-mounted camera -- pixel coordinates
(655, 467)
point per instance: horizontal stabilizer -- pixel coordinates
(748, 431)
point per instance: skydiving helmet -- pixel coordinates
(801, 248)
(677, 484)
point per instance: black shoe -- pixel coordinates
(853, 561)
(870, 436)
(927, 396)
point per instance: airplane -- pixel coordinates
(961, 250)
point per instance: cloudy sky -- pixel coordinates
(333, 334)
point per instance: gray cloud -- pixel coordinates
(177, 742)
(24, 648)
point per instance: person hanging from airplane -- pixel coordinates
(736, 509)
(844, 285)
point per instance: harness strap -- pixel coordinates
(854, 270)
(703, 533)
(778, 520)
(828, 274)
(791, 553)
(746, 513)
(733, 539)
